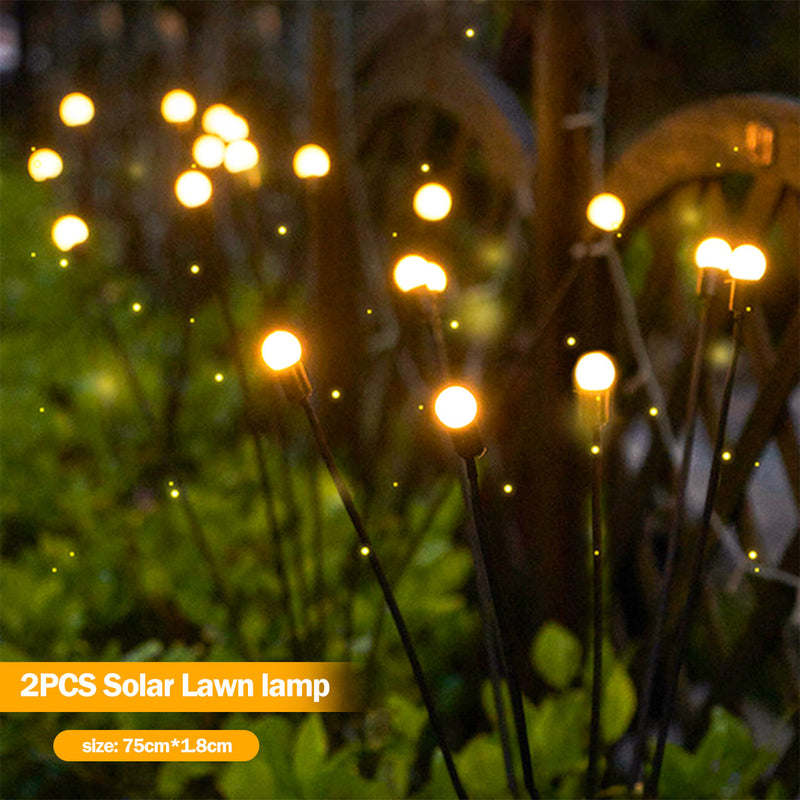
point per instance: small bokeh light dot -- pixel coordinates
(756, 569)
(336, 394)
(653, 411)
(33, 254)
(726, 455)
(425, 167)
(53, 569)
(596, 553)
(219, 377)
(469, 33)
(282, 230)
(454, 324)
(757, 464)
(508, 488)
(595, 449)
(395, 484)
(137, 307)
(175, 493)
(72, 554)
(421, 407)
(365, 551)
(194, 269)
(63, 263)
(571, 341)
(41, 409)
(369, 311)
(394, 234)
(191, 320)
(753, 555)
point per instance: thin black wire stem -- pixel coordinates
(698, 567)
(677, 522)
(597, 617)
(489, 625)
(517, 707)
(388, 594)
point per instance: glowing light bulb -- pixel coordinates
(748, 263)
(713, 253)
(69, 231)
(44, 164)
(224, 122)
(595, 372)
(240, 155)
(432, 201)
(208, 151)
(456, 407)
(281, 350)
(76, 109)
(311, 161)
(410, 272)
(193, 188)
(605, 211)
(178, 106)
(436, 278)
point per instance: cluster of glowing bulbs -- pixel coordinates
(223, 142)
(413, 271)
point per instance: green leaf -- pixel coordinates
(556, 654)
(618, 704)
(310, 751)
(245, 780)
(480, 765)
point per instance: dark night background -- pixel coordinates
(687, 110)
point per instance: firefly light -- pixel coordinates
(281, 350)
(311, 161)
(747, 263)
(178, 106)
(713, 253)
(432, 201)
(240, 155)
(69, 231)
(595, 372)
(76, 109)
(193, 188)
(456, 407)
(605, 211)
(208, 151)
(44, 164)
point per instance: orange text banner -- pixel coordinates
(178, 686)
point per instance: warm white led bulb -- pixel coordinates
(178, 106)
(208, 151)
(605, 211)
(193, 188)
(595, 372)
(456, 407)
(432, 201)
(311, 161)
(748, 263)
(69, 231)
(281, 350)
(240, 155)
(713, 253)
(410, 272)
(44, 164)
(76, 109)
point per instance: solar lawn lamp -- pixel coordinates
(594, 377)
(457, 409)
(712, 257)
(747, 266)
(282, 353)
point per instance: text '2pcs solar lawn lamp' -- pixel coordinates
(282, 352)
(457, 409)
(594, 376)
(747, 266)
